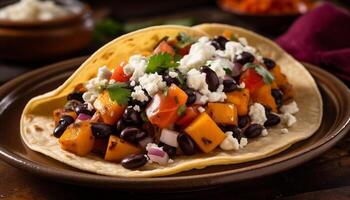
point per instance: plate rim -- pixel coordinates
(196, 181)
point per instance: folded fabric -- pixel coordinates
(321, 37)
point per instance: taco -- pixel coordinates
(167, 99)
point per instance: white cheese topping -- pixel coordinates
(136, 66)
(291, 108)
(218, 95)
(196, 80)
(173, 74)
(33, 10)
(288, 119)
(241, 85)
(257, 114)
(264, 132)
(243, 142)
(152, 83)
(137, 108)
(200, 52)
(104, 73)
(95, 85)
(229, 143)
(139, 94)
(284, 130)
(218, 65)
(201, 109)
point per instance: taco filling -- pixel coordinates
(188, 96)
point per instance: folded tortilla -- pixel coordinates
(37, 123)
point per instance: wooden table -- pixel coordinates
(326, 177)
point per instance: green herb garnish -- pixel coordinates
(176, 100)
(234, 38)
(181, 110)
(166, 91)
(184, 40)
(160, 62)
(144, 117)
(264, 73)
(120, 93)
(228, 71)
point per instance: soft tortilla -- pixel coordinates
(37, 112)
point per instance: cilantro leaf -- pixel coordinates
(184, 39)
(159, 62)
(181, 110)
(120, 93)
(264, 73)
(234, 38)
(228, 71)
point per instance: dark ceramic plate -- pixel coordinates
(15, 94)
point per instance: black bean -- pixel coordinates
(219, 42)
(132, 117)
(272, 120)
(59, 130)
(211, 78)
(278, 95)
(171, 151)
(66, 119)
(102, 130)
(268, 109)
(83, 108)
(72, 104)
(131, 134)
(142, 104)
(191, 97)
(121, 125)
(76, 96)
(169, 80)
(229, 85)
(243, 121)
(270, 64)
(245, 57)
(253, 130)
(149, 128)
(134, 161)
(186, 144)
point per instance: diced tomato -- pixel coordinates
(164, 47)
(251, 79)
(119, 75)
(185, 50)
(191, 114)
(163, 109)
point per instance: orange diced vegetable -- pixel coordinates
(109, 110)
(223, 113)
(118, 149)
(59, 113)
(164, 47)
(205, 132)
(78, 138)
(241, 100)
(191, 114)
(163, 109)
(227, 34)
(282, 82)
(263, 95)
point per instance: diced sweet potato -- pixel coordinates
(241, 100)
(78, 138)
(118, 149)
(263, 95)
(58, 113)
(223, 113)
(109, 110)
(282, 82)
(205, 132)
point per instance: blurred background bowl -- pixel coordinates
(44, 40)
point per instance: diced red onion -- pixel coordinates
(236, 69)
(143, 143)
(83, 117)
(158, 155)
(228, 78)
(169, 137)
(198, 101)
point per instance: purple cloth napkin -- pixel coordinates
(321, 37)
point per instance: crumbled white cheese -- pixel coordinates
(132, 83)
(232, 50)
(111, 81)
(90, 96)
(103, 73)
(96, 85)
(257, 114)
(229, 143)
(137, 108)
(264, 132)
(136, 66)
(153, 145)
(33, 10)
(284, 130)
(218, 65)
(291, 108)
(196, 81)
(139, 94)
(201, 109)
(199, 53)
(241, 85)
(243, 142)
(152, 83)
(173, 74)
(202, 100)
(218, 95)
(288, 119)
(243, 41)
